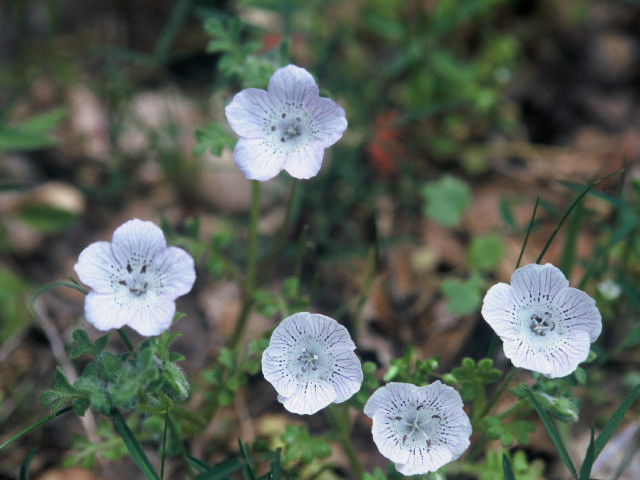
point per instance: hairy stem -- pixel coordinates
(250, 278)
(340, 421)
(36, 425)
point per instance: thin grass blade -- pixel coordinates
(506, 468)
(613, 423)
(133, 446)
(575, 202)
(24, 469)
(589, 458)
(552, 431)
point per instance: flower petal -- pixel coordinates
(329, 119)
(310, 398)
(155, 318)
(292, 84)
(500, 311)
(249, 113)
(276, 373)
(390, 399)
(304, 162)
(579, 311)
(387, 438)
(554, 358)
(538, 282)
(137, 241)
(423, 460)
(346, 375)
(175, 271)
(97, 267)
(258, 159)
(103, 313)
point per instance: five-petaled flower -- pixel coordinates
(288, 126)
(420, 429)
(545, 325)
(310, 362)
(135, 279)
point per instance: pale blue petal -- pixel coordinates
(258, 159)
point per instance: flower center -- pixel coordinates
(308, 361)
(136, 282)
(288, 128)
(542, 323)
(418, 427)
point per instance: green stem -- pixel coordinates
(340, 421)
(570, 209)
(36, 425)
(252, 257)
(526, 238)
(164, 443)
(125, 339)
(499, 391)
(515, 407)
(276, 246)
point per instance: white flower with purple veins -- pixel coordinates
(288, 126)
(545, 325)
(420, 429)
(135, 279)
(310, 362)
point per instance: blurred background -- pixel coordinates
(460, 113)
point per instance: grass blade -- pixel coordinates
(506, 468)
(35, 425)
(551, 430)
(613, 423)
(197, 464)
(24, 469)
(589, 458)
(577, 200)
(134, 447)
(526, 237)
(220, 471)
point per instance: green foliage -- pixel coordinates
(46, 218)
(285, 302)
(485, 252)
(446, 200)
(472, 377)
(369, 384)
(213, 138)
(301, 446)
(555, 395)
(148, 377)
(492, 468)
(32, 133)
(463, 296)
(238, 54)
(84, 452)
(13, 304)
(495, 428)
(232, 369)
(410, 369)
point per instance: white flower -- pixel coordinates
(286, 127)
(609, 289)
(545, 325)
(135, 279)
(310, 362)
(420, 429)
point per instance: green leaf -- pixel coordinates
(551, 430)
(613, 423)
(81, 405)
(506, 468)
(589, 458)
(24, 468)
(46, 218)
(133, 446)
(485, 252)
(213, 138)
(446, 200)
(463, 296)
